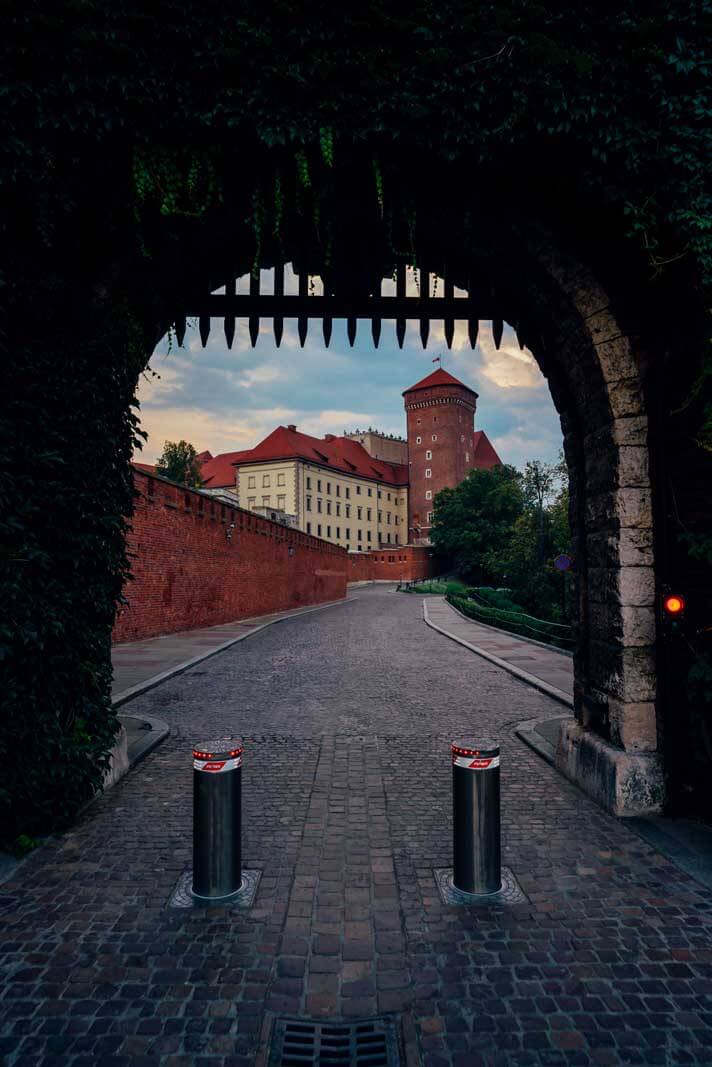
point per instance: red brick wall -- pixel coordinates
(448, 412)
(187, 574)
(391, 564)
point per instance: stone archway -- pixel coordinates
(569, 320)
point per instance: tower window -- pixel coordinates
(428, 494)
(418, 440)
(428, 472)
(428, 454)
(435, 437)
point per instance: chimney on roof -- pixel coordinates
(329, 437)
(292, 427)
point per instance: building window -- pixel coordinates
(338, 533)
(251, 482)
(280, 479)
(348, 511)
(388, 517)
(428, 472)
(368, 514)
(429, 494)
(359, 513)
(265, 501)
(328, 507)
(338, 508)
(328, 531)
(281, 501)
(380, 516)
(348, 534)
(308, 503)
(396, 538)
(435, 437)
(251, 501)
(265, 481)
(328, 487)
(389, 496)
(389, 539)
(308, 482)
(379, 494)
(360, 535)
(318, 504)
(428, 454)
(347, 491)
(318, 530)
(368, 535)
(338, 490)
(308, 527)
(358, 490)
(418, 440)
(318, 485)
(370, 492)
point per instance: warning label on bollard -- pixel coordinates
(217, 766)
(478, 763)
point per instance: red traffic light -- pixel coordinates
(673, 604)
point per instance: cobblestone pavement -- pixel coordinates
(347, 717)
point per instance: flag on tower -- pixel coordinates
(438, 359)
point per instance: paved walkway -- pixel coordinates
(525, 659)
(347, 717)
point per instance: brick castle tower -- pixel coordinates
(440, 412)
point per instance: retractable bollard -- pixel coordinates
(475, 800)
(217, 819)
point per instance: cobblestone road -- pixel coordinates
(347, 716)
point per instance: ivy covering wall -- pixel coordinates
(131, 133)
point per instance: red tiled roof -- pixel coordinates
(219, 471)
(203, 457)
(339, 453)
(483, 454)
(438, 377)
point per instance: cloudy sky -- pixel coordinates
(223, 400)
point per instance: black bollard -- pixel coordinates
(217, 819)
(475, 804)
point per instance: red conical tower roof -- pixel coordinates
(438, 377)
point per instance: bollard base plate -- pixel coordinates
(183, 896)
(510, 891)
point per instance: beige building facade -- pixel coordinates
(354, 512)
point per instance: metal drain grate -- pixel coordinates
(368, 1043)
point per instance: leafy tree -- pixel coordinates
(472, 521)
(179, 463)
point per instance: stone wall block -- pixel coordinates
(602, 550)
(636, 547)
(633, 466)
(636, 586)
(633, 726)
(633, 507)
(603, 328)
(625, 398)
(626, 783)
(632, 430)
(635, 681)
(614, 356)
(601, 511)
(638, 625)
